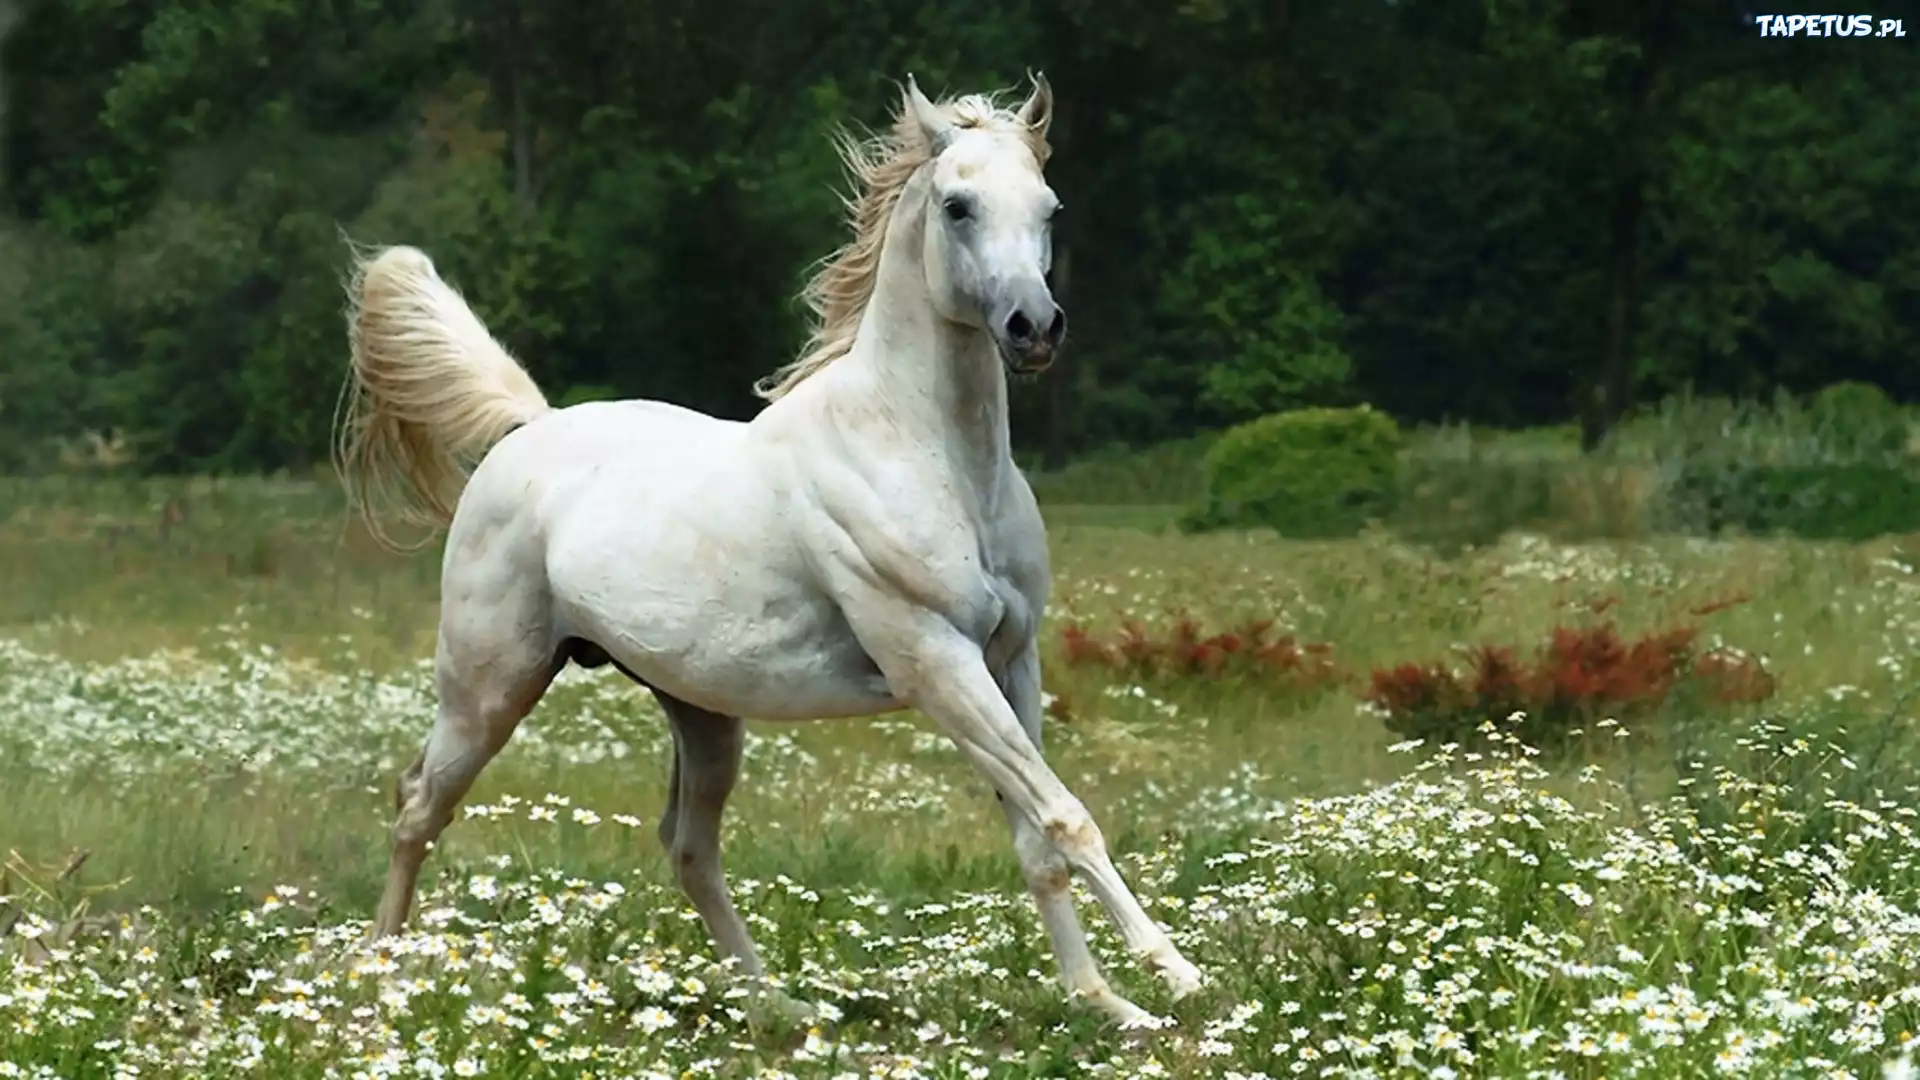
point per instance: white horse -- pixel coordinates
(862, 545)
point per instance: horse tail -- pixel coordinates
(429, 392)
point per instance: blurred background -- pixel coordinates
(1503, 213)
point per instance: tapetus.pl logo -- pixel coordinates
(1828, 26)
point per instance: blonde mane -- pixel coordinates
(880, 167)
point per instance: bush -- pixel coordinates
(1580, 678)
(1858, 420)
(1449, 503)
(1454, 503)
(1186, 650)
(1833, 465)
(1305, 473)
(1819, 502)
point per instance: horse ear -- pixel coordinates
(937, 128)
(1037, 113)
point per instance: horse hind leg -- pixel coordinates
(708, 748)
(488, 682)
(591, 656)
(670, 816)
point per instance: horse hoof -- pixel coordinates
(788, 1009)
(1181, 977)
(1124, 1014)
(1141, 1028)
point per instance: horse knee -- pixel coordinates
(421, 813)
(697, 871)
(418, 825)
(1072, 832)
(408, 782)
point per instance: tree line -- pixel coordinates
(1508, 212)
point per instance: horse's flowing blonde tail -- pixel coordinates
(428, 394)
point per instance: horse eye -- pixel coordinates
(957, 209)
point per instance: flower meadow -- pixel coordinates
(1720, 883)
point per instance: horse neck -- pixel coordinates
(941, 380)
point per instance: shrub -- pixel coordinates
(1858, 420)
(1819, 502)
(1462, 485)
(1831, 466)
(1471, 502)
(1186, 650)
(1305, 473)
(1451, 502)
(1581, 676)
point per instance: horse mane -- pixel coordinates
(880, 167)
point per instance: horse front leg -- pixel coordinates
(948, 679)
(1046, 871)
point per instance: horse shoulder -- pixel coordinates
(893, 554)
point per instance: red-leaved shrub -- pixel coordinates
(1184, 649)
(1579, 676)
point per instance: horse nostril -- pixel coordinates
(1018, 328)
(1057, 329)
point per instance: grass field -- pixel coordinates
(207, 688)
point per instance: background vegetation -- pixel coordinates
(1508, 212)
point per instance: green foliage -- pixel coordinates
(1169, 473)
(1306, 473)
(1793, 259)
(1272, 206)
(1859, 419)
(1250, 302)
(1833, 465)
(1452, 504)
(1290, 358)
(55, 345)
(1466, 486)
(581, 393)
(1820, 501)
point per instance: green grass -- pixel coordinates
(215, 718)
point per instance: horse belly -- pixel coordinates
(744, 643)
(786, 670)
